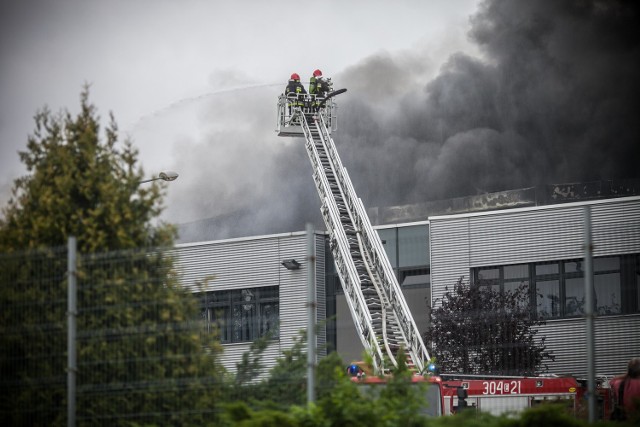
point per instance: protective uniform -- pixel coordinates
(318, 86)
(295, 87)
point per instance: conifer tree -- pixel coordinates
(79, 185)
(140, 356)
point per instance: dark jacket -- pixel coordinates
(294, 86)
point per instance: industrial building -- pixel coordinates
(252, 286)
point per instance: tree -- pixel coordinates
(78, 185)
(141, 357)
(286, 382)
(476, 329)
(340, 401)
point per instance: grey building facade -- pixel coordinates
(246, 292)
(245, 288)
(543, 247)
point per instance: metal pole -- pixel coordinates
(589, 315)
(72, 307)
(311, 310)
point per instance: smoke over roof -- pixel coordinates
(553, 97)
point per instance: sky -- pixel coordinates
(154, 63)
(445, 98)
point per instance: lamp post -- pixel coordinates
(165, 176)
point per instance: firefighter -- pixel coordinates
(295, 91)
(463, 394)
(629, 386)
(354, 370)
(318, 86)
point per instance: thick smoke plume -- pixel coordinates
(553, 98)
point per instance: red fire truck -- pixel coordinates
(451, 394)
(604, 398)
(499, 395)
(432, 389)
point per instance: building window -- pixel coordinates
(242, 315)
(507, 278)
(414, 277)
(413, 246)
(558, 287)
(503, 278)
(606, 283)
(406, 246)
(389, 239)
(407, 249)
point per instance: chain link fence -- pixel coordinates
(33, 336)
(141, 356)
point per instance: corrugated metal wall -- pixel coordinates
(449, 250)
(460, 242)
(617, 339)
(256, 262)
(321, 296)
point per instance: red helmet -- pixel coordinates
(317, 73)
(295, 76)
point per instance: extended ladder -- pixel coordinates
(381, 315)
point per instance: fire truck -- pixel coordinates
(380, 313)
(498, 395)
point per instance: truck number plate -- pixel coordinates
(501, 387)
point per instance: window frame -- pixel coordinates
(500, 281)
(219, 311)
(628, 266)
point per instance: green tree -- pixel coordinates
(141, 357)
(78, 185)
(340, 401)
(404, 401)
(476, 329)
(287, 379)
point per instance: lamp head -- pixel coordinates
(168, 176)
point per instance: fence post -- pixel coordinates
(72, 295)
(589, 315)
(311, 310)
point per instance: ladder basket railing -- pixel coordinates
(292, 106)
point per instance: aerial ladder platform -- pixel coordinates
(380, 313)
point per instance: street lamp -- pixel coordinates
(165, 176)
(291, 264)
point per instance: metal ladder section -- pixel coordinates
(380, 312)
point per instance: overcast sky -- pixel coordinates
(152, 61)
(446, 98)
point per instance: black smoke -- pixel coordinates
(553, 98)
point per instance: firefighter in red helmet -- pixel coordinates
(294, 86)
(318, 86)
(295, 91)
